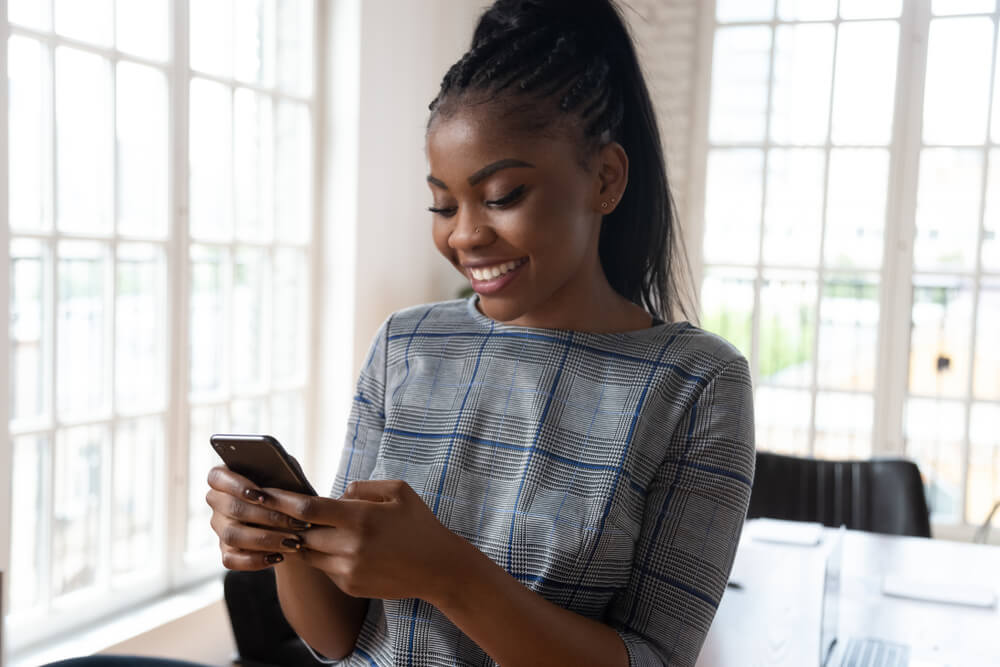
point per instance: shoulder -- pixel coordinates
(430, 318)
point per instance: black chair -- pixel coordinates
(121, 661)
(877, 495)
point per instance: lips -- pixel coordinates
(483, 273)
(491, 278)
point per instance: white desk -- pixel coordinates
(774, 619)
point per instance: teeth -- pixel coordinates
(491, 272)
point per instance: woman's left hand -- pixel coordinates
(378, 540)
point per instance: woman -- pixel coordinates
(547, 473)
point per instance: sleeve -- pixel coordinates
(695, 509)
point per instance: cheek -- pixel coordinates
(439, 232)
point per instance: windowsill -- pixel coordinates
(121, 627)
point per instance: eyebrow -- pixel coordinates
(485, 172)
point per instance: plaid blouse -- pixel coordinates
(609, 473)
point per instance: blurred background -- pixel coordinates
(213, 204)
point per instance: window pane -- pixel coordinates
(31, 13)
(30, 326)
(995, 123)
(142, 131)
(948, 198)
(290, 318)
(933, 433)
(727, 306)
(940, 336)
(740, 70)
(250, 319)
(295, 46)
(793, 214)
(865, 85)
(251, 416)
(844, 425)
(137, 510)
(294, 172)
(945, 7)
(848, 332)
(29, 519)
(991, 222)
(787, 328)
(254, 39)
(253, 128)
(984, 464)
(744, 10)
(855, 213)
(143, 27)
(782, 419)
(83, 141)
(76, 517)
(986, 369)
(82, 347)
(807, 10)
(955, 107)
(870, 9)
(86, 21)
(212, 37)
(204, 422)
(803, 74)
(210, 283)
(732, 206)
(30, 113)
(211, 161)
(288, 422)
(140, 365)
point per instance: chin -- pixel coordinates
(501, 309)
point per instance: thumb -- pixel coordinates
(376, 490)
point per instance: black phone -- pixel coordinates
(262, 460)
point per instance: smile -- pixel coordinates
(492, 272)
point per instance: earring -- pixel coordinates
(477, 231)
(604, 204)
(613, 200)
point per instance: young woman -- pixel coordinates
(551, 472)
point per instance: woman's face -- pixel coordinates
(517, 215)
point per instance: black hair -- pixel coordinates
(579, 55)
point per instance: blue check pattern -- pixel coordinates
(610, 473)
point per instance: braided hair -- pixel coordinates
(547, 61)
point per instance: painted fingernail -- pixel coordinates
(291, 543)
(271, 559)
(255, 495)
(299, 525)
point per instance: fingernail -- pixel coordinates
(271, 559)
(255, 495)
(291, 543)
(299, 525)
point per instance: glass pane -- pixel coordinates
(732, 206)
(212, 37)
(211, 160)
(295, 45)
(30, 116)
(946, 7)
(290, 317)
(855, 213)
(744, 10)
(210, 284)
(933, 432)
(991, 222)
(204, 422)
(984, 464)
(288, 422)
(740, 70)
(251, 416)
(807, 10)
(803, 76)
(955, 107)
(30, 327)
(29, 520)
(848, 332)
(30, 13)
(253, 128)
(76, 516)
(787, 328)
(142, 130)
(83, 359)
(143, 27)
(793, 214)
(986, 369)
(250, 319)
(940, 336)
(140, 364)
(727, 306)
(83, 142)
(137, 505)
(948, 197)
(865, 86)
(781, 418)
(253, 27)
(870, 9)
(844, 425)
(294, 172)
(995, 122)
(87, 21)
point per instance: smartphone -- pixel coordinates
(262, 460)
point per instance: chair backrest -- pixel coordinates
(878, 495)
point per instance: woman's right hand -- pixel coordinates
(251, 537)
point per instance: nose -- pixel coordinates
(470, 231)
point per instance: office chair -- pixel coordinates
(877, 495)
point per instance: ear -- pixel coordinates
(612, 177)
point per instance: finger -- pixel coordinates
(223, 479)
(246, 512)
(377, 490)
(233, 559)
(315, 510)
(250, 538)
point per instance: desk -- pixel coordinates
(774, 619)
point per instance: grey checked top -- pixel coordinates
(610, 473)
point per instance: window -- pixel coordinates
(161, 213)
(852, 200)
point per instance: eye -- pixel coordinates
(443, 212)
(507, 199)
